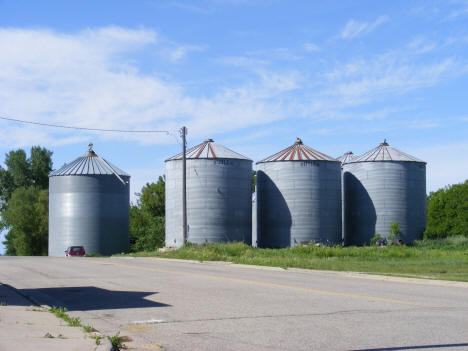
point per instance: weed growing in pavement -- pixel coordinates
(97, 339)
(48, 335)
(88, 328)
(117, 341)
(60, 312)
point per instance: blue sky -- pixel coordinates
(253, 75)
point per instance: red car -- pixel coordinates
(75, 251)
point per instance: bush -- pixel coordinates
(395, 232)
(447, 212)
(376, 238)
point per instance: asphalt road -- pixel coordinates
(217, 306)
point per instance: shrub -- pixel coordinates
(395, 232)
(447, 212)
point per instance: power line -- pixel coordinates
(84, 128)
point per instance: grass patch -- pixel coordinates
(61, 312)
(117, 341)
(435, 259)
(88, 329)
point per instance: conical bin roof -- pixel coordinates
(209, 149)
(385, 152)
(298, 152)
(89, 164)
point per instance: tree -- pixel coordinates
(24, 172)
(146, 231)
(24, 201)
(26, 220)
(447, 211)
(254, 180)
(41, 165)
(147, 222)
(153, 197)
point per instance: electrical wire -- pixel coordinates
(84, 128)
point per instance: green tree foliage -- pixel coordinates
(22, 172)
(147, 222)
(40, 165)
(254, 180)
(24, 201)
(26, 219)
(153, 198)
(447, 211)
(395, 232)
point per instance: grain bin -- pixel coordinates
(89, 206)
(345, 158)
(298, 198)
(381, 186)
(219, 196)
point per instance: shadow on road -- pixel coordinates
(421, 347)
(87, 298)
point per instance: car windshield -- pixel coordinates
(76, 248)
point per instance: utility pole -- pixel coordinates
(183, 132)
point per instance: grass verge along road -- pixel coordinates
(445, 259)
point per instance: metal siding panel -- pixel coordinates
(297, 202)
(219, 201)
(91, 210)
(378, 193)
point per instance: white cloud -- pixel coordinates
(88, 79)
(309, 47)
(179, 52)
(421, 46)
(242, 61)
(354, 28)
(460, 11)
(394, 73)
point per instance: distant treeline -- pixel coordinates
(24, 211)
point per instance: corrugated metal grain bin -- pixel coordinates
(381, 186)
(89, 206)
(219, 196)
(298, 198)
(345, 158)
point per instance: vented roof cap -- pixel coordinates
(209, 149)
(89, 164)
(384, 152)
(298, 152)
(347, 157)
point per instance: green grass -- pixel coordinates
(117, 341)
(435, 259)
(60, 312)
